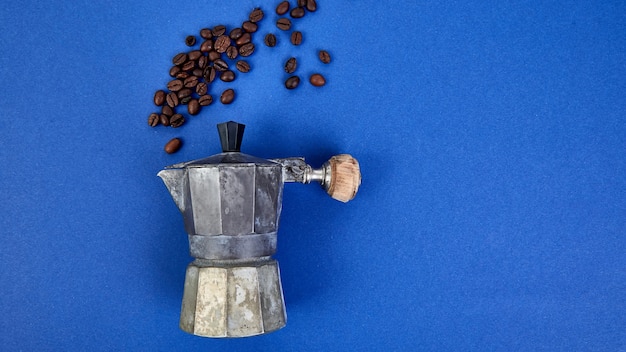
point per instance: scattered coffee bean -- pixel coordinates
(164, 119)
(246, 49)
(213, 55)
(189, 65)
(317, 80)
(202, 88)
(190, 40)
(324, 56)
(270, 40)
(172, 100)
(250, 27)
(302, 3)
(284, 24)
(296, 38)
(220, 65)
(221, 43)
(311, 5)
(159, 97)
(206, 46)
(197, 72)
(183, 93)
(243, 66)
(292, 82)
(194, 55)
(193, 107)
(219, 30)
(205, 100)
(177, 120)
(232, 52)
(236, 33)
(202, 62)
(182, 75)
(297, 12)
(185, 100)
(191, 82)
(256, 15)
(244, 39)
(153, 119)
(282, 8)
(209, 74)
(167, 111)
(291, 65)
(172, 146)
(179, 59)
(206, 33)
(227, 76)
(175, 85)
(227, 96)
(174, 71)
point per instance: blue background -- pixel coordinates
(491, 137)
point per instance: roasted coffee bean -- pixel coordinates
(219, 30)
(227, 76)
(172, 100)
(175, 85)
(197, 72)
(246, 49)
(209, 74)
(206, 46)
(193, 107)
(270, 40)
(284, 24)
(250, 27)
(202, 62)
(185, 100)
(164, 119)
(232, 52)
(301, 3)
(243, 66)
(220, 65)
(291, 65)
(221, 43)
(189, 65)
(317, 80)
(256, 15)
(190, 40)
(213, 55)
(167, 111)
(297, 12)
(174, 71)
(202, 88)
(282, 8)
(292, 82)
(311, 5)
(324, 56)
(183, 93)
(194, 55)
(182, 75)
(179, 59)
(172, 146)
(244, 39)
(205, 100)
(206, 33)
(227, 96)
(191, 82)
(153, 119)
(159, 97)
(177, 120)
(235, 33)
(296, 38)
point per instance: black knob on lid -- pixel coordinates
(231, 134)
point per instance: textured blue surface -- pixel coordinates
(492, 141)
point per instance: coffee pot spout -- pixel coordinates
(174, 180)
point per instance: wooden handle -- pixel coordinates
(345, 177)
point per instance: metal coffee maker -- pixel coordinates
(231, 204)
